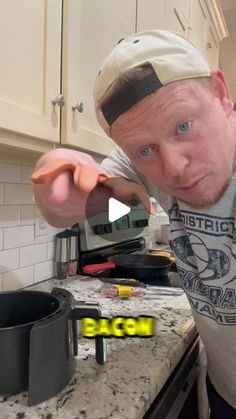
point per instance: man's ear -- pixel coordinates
(221, 90)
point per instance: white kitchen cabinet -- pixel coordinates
(163, 14)
(150, 14)
(198, 25)
(54, 47)
(212, 46)
(176, 16)
(91, 29)
(191, 18)
(207, 39)
(30, 50)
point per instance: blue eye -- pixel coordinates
(146, 151)
(184, 126)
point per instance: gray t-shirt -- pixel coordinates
(204, 242)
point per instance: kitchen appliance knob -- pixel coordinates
(107, 228)
(141, 223)
(99, 229)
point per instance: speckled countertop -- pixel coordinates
(135, 371)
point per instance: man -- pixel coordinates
(174, 123)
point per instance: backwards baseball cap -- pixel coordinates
(172, 57)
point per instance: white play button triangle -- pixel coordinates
(116, 209)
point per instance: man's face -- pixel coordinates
(181, 138)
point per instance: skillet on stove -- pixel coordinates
(138, 266)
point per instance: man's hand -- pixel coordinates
(64, 178)
(125, 191)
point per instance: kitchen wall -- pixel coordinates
(26, 240)
(227, 47)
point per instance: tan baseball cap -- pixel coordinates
(172, 57)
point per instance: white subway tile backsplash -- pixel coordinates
(18, 236)
(43, 271)
(9, 260)
(23, 253)
(51, 249)
(33, 254)
(42, 239)
(10, 173)
(27, 215)
(18, 194)
(9, 215)
(48, 237)
(18, 278)
(26, 172)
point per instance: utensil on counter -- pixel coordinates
(138, 266)
(165, 290)
(38, 341)
(123, 281)
(149, 292)
(158, 290)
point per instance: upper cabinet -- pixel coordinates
(30, 49)
(163, 14)
(207, 40)
(176, 17)
(199, 20)
(90, 30)
(51, 51)
(150, 14)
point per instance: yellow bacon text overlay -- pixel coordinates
(118, 327)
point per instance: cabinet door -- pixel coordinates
(30, 48)
(176, 16)
(212, 46)
(90, 30)
(150, 14)
(203, 33)
(198, 25)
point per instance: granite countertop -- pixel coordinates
(135, 371)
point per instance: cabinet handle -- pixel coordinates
(208, 45)
(59, 100)
(78, 107)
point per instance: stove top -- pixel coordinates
(94, 249)
(171, 279)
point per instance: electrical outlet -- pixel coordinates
(41, 226)
(42, 223)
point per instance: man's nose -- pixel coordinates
(174, 161)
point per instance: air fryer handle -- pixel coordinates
(85, 309)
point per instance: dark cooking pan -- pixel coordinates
(38, 341)
(133, 265)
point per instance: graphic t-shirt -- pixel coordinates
(204, 243)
